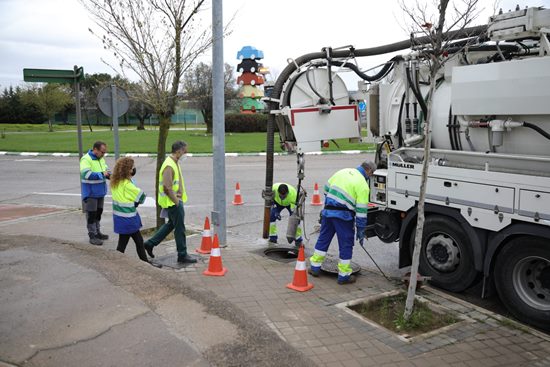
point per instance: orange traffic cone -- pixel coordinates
(215, 267)
(206, 243)
(237, 199)
(299, 283)
(316, 199)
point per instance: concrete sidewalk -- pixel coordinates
(64, 302)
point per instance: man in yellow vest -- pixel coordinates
(284, 198)
(93, 175)
(171, 197)
(347, 195)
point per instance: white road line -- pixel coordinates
(59, 194)
(149, 201)
(245, 165)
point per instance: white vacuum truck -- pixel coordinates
(488, 190)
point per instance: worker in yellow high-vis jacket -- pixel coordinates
(94, 174)
(346, 202)
(171, 197)
(284, 198)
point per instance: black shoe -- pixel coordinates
(96, 241)
(186, 259)
(149, 250)
(349, 280)
(102, 236)
(313, 273)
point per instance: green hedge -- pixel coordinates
(246, 123)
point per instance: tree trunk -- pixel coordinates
(207, 121)
(50, 127)
(411, 292)
(141, 125)
(164, 127)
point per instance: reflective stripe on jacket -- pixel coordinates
(92, 181)
(290, 199)
(163, 199)
(348, 189)
(126, 195)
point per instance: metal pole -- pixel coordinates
(114, 103)
(218, 127)
(78, 113)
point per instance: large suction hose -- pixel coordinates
(273, 102)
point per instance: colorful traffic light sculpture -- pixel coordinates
(249, 80)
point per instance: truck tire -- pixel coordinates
(446, 254)
(522, 279)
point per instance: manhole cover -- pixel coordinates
(330, 265)
(282, 254)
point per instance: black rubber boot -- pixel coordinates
(100, 235)
(92, 233)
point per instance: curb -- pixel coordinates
(146, 155)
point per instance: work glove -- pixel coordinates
(361, 234)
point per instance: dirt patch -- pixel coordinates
(388, 312)
(11, 212)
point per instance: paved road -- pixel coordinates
(54, 181)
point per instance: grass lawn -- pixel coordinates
(56, 127)
(144, 141)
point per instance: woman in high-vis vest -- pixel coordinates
(126, 198)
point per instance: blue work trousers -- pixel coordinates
(345, 232)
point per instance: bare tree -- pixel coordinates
(158, 40)
(48, 99)
(197, 88)
(434, 24)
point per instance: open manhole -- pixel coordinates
(330, 265)
(282, 254)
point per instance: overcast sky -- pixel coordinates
(53, 34)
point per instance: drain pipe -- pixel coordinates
(274, 101)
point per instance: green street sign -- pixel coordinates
(53, 76)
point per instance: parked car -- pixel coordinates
(249, 66)
(249, 52)
(250, 79)
(250, 91)
(251, 105)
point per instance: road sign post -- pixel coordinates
(113, 101)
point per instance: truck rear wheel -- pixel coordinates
(522, 279)
(446, 254)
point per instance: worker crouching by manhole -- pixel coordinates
(285, 198)
(346, 198)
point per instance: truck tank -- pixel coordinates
(500, 107)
